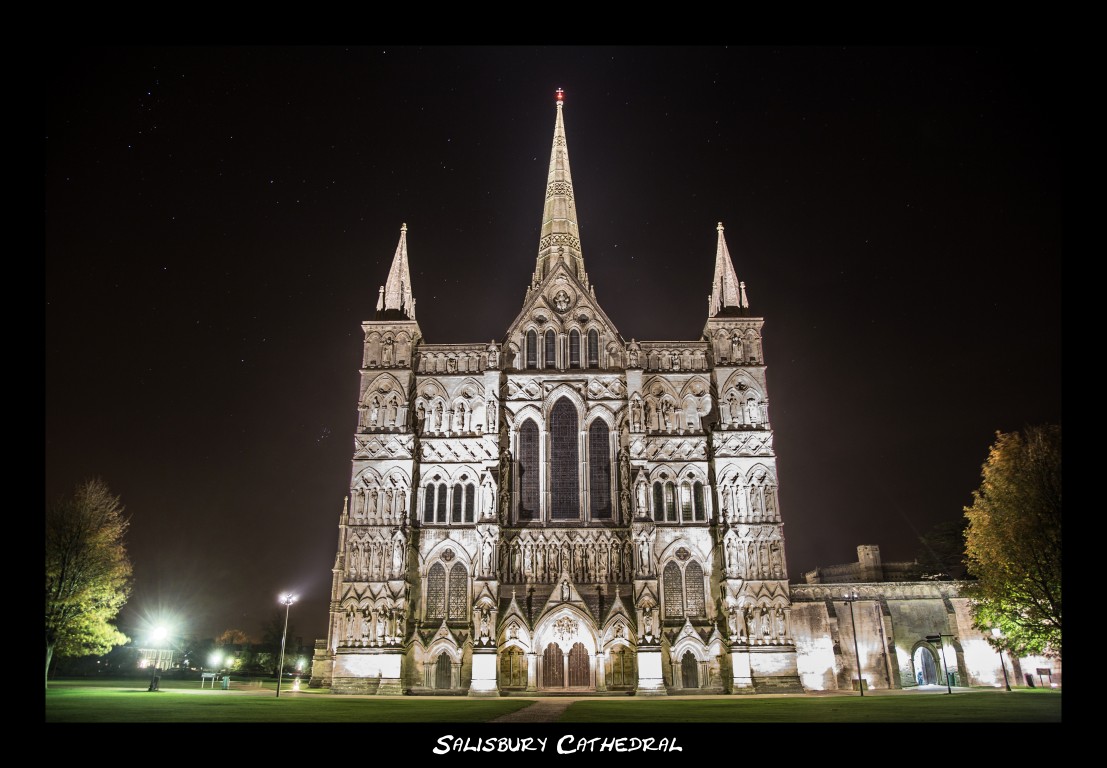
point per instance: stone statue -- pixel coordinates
(365, 627)
(643, 500)
(774, 555)
(398, 559)
(486, 556)
(636, 416)
(565, 592)
(643, 556)
(351, 625)
(780, 622)
(731, 556)
(490, 416)
(381, 627)
(493, 356)
(387, 351)
(770, 503)
(489, 498)
(735, 348)
(753, 412)
(632, 354)
(401, 505)
(735, 408)
(372, 512)
(732, 622)
(601, 562)
(528, 559)
(484, 623)
(374, 412)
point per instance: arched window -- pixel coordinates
(686, 502)
(564, 462)
(459, 592)
(551, 349)
(599, 471)
(693, 589)
(593, 349)
(528, 471)
(697, 498)
(532, 349)
(457, 499)
(436, 592)
(574, 348)
(434, 503)
(658, 501)
(670, 502)
(440, 504)
(673, 590)
(470, 501)
(428, 504)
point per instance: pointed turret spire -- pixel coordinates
(396, 292)
(727, 294)
(560, 239)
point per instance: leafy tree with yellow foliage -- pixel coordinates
(88, 573)
(1013, 542)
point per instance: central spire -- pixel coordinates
(560, 239)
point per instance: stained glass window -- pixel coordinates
(551, 350)
(528, 471)
(456, 517)
(574, 349)
(459, 592)
(436, 592)
(658, 502)
(599, 470)
(674, 592)
(428, 504)
(593, 349)
(693, 589)
(532, 349)
(440, 517)
(470, 496)
(697, 496)
(686, 502)
(564, 462)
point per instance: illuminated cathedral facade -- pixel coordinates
(566, 509)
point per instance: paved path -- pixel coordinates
(540, 711)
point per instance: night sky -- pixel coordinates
(219, 220)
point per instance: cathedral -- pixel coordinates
(571, 511)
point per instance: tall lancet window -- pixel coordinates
(528, 471)
(574, 348)
(564, 462)
(599, 471)
(550, 351)
(532, 349)
(593, 349)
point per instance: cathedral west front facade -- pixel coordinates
(566, 510)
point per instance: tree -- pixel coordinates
(1013, 542)
(88, 573)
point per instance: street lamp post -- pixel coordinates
(158, 636)
(851, 597)
(997, 633)
(286, 600)
(939, 638)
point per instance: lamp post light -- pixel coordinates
(851, 597)
(997, 633)
(286, 600)
(945, 666)
(158, 636)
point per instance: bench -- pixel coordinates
(205, 676)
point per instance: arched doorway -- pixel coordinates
(553, 667)
(443, 679)
(689, 670)
(578, 666)
(926, 667)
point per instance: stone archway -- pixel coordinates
(689, 670)
(925, 666)
(443, 671)
(567, 652)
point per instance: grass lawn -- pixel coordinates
(986, 706)
(128, 701)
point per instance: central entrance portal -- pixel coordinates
(566, 671)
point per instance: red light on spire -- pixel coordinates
(560, 96)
